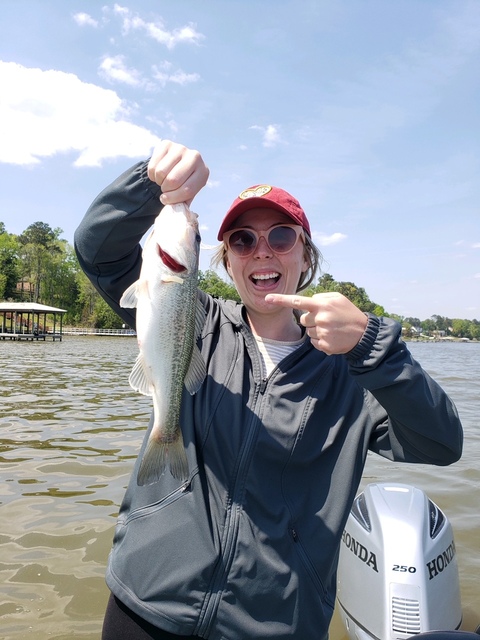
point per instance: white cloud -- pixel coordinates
(476, 245)
(163, 75)
(121, 11)
(44, 113)
(157, 30)
(323, 240)
(114, 69)
(270, 135)
(114, 139)
(84, 19)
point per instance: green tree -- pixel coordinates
(428, 326)
(474, 331)
(442, 323)
(326, 283)
(460, 328)
(415, 322)
(379, 311)
(87, 297)
(9, 265)
(59, 283)
(211, 283)
(39, 246)
(407, 329)
(104, 317)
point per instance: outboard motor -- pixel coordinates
(397, 572)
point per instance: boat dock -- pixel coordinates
(30, 336)
(30, 321)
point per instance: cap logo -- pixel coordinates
(259, 191)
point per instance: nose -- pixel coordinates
(262, 250)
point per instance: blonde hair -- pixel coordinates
(312, 255)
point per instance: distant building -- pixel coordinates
(26, 290)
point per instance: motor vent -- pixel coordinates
(405, 616)
(437, 519)
(360, 512)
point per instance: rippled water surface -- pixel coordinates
(70, 429)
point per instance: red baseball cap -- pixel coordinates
(264, 195)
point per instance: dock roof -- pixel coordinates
(33, 307)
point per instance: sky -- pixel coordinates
(367, 111)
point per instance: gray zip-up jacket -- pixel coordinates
(247, 548)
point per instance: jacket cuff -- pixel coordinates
(366, 342)
(149, 184)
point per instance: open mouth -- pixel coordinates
(169, 262)
(265, 280)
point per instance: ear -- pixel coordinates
(306, 262)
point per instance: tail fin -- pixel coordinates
(156, 457)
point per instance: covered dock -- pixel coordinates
(30, 321)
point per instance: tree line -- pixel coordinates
(40, 266)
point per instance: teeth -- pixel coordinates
(265, 276)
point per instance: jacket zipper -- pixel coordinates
(214, 594)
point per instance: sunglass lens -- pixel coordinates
(242, 242)
(282, 239)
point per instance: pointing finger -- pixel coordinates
(293, 301)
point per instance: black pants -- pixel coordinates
(121, 623)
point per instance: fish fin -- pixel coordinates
(138, 378)
(130, 296)
(155, 459)
(196, 372)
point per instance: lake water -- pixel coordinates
(70, 429)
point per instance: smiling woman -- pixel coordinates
(281, 236)
(264, 270)
(297, 391)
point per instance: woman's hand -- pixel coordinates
(335, 325)
(179, 171)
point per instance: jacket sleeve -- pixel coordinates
(422, 422)
(107, 241)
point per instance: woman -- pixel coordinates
(277, 435)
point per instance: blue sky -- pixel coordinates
(368, 111)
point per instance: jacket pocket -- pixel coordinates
(165, 552)
(310, 568)
(147, 510)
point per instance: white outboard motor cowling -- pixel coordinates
(397, 572)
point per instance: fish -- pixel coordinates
(169, 320)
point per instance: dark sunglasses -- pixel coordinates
(280, 239)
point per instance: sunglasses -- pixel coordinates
(280, 239)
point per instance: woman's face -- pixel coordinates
(264, 271)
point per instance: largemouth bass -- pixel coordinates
(169, 319)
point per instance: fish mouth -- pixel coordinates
(170, 262)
